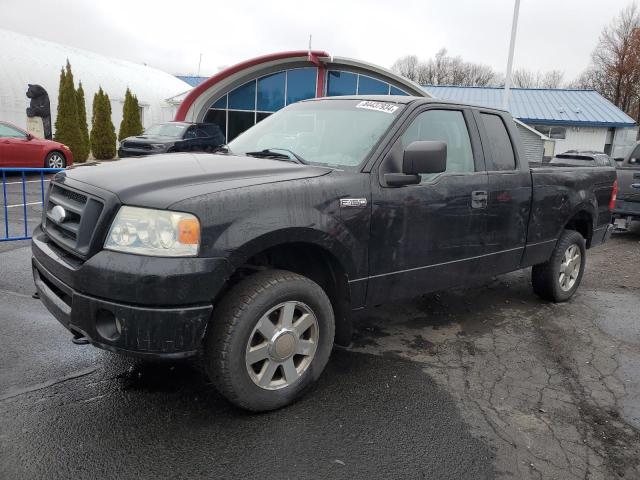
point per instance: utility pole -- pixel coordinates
(199, 63)
(512, 45)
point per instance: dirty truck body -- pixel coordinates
(257, 256)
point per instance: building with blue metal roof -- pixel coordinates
(575, 119)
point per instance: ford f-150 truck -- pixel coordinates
(256, 256)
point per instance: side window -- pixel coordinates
(191, 133)
(500, 149)
(635, 156)
(448, 126)
(9, 132)
(201, 133)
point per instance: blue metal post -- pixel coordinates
(24, 205)
(6, 209)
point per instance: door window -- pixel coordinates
(501, 151)
(448, 126)
(9, 132)
(191, 133)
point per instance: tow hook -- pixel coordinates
(79, 339)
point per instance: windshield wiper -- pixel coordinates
(278, 154)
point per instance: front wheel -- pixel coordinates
(269, 340)
(558, 278)
(55, 160)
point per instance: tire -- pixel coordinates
(549, 279)
(236, 338)
(55, 160)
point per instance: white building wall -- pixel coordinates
(25, 60)
(582, 138)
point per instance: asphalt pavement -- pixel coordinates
(488, 382)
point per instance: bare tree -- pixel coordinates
(524, 78)
(407, 66)
(615, 63)
(444, 69)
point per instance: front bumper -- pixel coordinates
(144, 306)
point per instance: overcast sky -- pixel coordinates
(552, 34)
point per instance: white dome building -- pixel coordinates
(28, 60)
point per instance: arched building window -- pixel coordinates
(247, 104)
(348, 83)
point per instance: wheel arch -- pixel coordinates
(582, 221)
(305, 255)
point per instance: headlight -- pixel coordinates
(159, 146)
(154, 232)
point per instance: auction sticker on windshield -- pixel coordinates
(377, 106)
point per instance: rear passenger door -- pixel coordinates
(509, 192)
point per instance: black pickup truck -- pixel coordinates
(256, 256)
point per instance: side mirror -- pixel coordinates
(425, 157)
(419, 157)
(619, 159)
(29, 136)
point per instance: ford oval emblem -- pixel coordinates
(58, 214)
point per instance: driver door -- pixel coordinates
(426, 237)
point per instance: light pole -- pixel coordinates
(512, 45)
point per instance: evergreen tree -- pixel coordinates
(83, 154)
(103, 133)
(131, 124)
(67, 125)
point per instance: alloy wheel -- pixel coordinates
(282, 345)
(55, 161)
(570, 268)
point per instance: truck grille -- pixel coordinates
(72, 225)
(137, 145)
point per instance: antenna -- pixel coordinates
(310, 38)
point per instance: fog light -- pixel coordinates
(107, 325)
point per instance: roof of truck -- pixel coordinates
(401, 99)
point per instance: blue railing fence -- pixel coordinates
(23, 176)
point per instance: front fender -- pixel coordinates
(248, 236)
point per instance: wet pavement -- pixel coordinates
(488, 382)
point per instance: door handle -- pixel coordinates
(479, 199)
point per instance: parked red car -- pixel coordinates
(18, 148)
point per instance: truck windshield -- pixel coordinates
(334, 133)
(174, 130)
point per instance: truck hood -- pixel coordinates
(158, 181)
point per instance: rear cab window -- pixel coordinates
(499, 155)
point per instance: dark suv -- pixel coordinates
(173, 137)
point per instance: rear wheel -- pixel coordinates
(55, 160)
(269, 340)
(558, 278)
